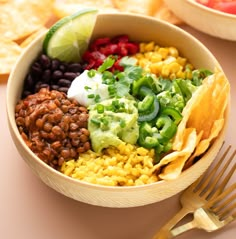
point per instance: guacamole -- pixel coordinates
(113, 121)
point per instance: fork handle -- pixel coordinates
(183, 228)
(165, 231)
(168, 234)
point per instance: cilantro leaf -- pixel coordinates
(108, 63)
(128, 61)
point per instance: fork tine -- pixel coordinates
(213, 173)
(197, 183)
(223, 195)
(227, 212)
(222, 185)
(226, 208)
(229, 219)
(206, 185)
(215, 205)
(227, 178)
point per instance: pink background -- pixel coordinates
(31, 210)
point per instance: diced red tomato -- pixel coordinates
(100, 42)
(228, 6)
(101, 48)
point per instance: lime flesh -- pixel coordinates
(68, 39)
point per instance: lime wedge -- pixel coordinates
(68, 38)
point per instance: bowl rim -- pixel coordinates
(14, 129)
(210, 10)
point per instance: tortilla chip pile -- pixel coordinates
(18, 20)
(22, 21)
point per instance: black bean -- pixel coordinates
(75, 67)
(56, 75)
(70, 75)
(36, 69)
(64, 82)
(29, 83)
(45, 61)
(55, 64)
(46, 76)
(62, 67)
(63, 89)
(54, 87)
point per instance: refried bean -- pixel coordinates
(53, 126)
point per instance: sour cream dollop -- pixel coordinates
(88, 90)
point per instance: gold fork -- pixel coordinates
(217, 213)
(206, 188)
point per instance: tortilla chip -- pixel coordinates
(206, 106)
(30, 38)
(19, 19)
(135, 6)
(204, 144)
(9, 52)
(212, 106)
(164, 13)
(155, 8)
(67, 7)
(174, 161)
(94, 3)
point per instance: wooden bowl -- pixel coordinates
(139, 28)
(205, 19)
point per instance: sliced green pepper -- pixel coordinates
(161, 139)
(143, 81)
(144, 91)
(151, 113)
(163, 148)
(151, 109)
(166, 126)
(160, 150)
(157, 137)
(146, 103)
(146, 138)
(174, 114)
